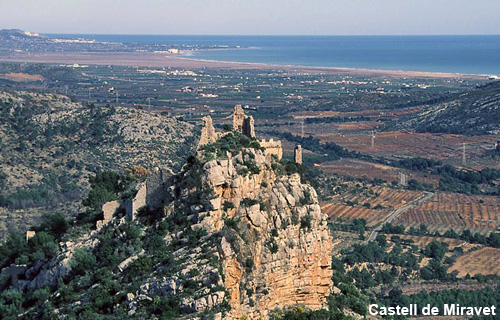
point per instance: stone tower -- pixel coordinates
(238, 118)
(248, 127)
(298, 154)
(208, 134)
(242, 123)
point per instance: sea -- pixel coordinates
(449, 54)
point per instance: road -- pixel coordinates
(398, 212)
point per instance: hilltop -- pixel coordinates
(50, 144)
(17, 34)
(231, 235)
(474, 112)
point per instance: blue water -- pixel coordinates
(455, 54)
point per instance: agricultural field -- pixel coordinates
(402, 144)
(375, 114)
(483, 261)
(381, 196)
(345, 213)
(374, 206)
(21, 77)
(367, 170)
(443, 211)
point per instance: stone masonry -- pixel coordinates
(297, 154)
(243, 124)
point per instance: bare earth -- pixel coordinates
(149, 59)
(483, 261)
(19, 77)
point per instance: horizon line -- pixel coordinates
(272, 35)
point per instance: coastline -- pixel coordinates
(186, 60)
(339, 70)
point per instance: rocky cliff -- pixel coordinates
(266, 232)
(276, 250)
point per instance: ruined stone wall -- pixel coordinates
(242, 123)
(238, 118)
(108, 211)
(151, 193)
(249, 127)
(297, 154)
(132, 206)
(208, 134)
(157, 185)
(272, 147)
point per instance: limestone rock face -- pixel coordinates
(277, 250)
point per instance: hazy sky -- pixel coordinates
(314, 17)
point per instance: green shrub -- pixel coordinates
(248, 202)
(54, 224)
(227, 205)
(249, 265)
(305, 222)
(83, 261)
(273, 246)
(307, 199)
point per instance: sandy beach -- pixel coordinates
(149, 59)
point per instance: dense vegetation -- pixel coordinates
(94, 277)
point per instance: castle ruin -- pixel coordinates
(272, 147)
(243, 124)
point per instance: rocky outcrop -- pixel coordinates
(48, 273)
(267, 233)
(277, 251)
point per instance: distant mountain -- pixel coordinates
(473, 113)
(16, 33)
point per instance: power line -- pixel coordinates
(302, 127)
(464, 158)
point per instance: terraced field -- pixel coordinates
(341, 212)
(483, 261)
(388, 200)
(386, 197)
(480, 214)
